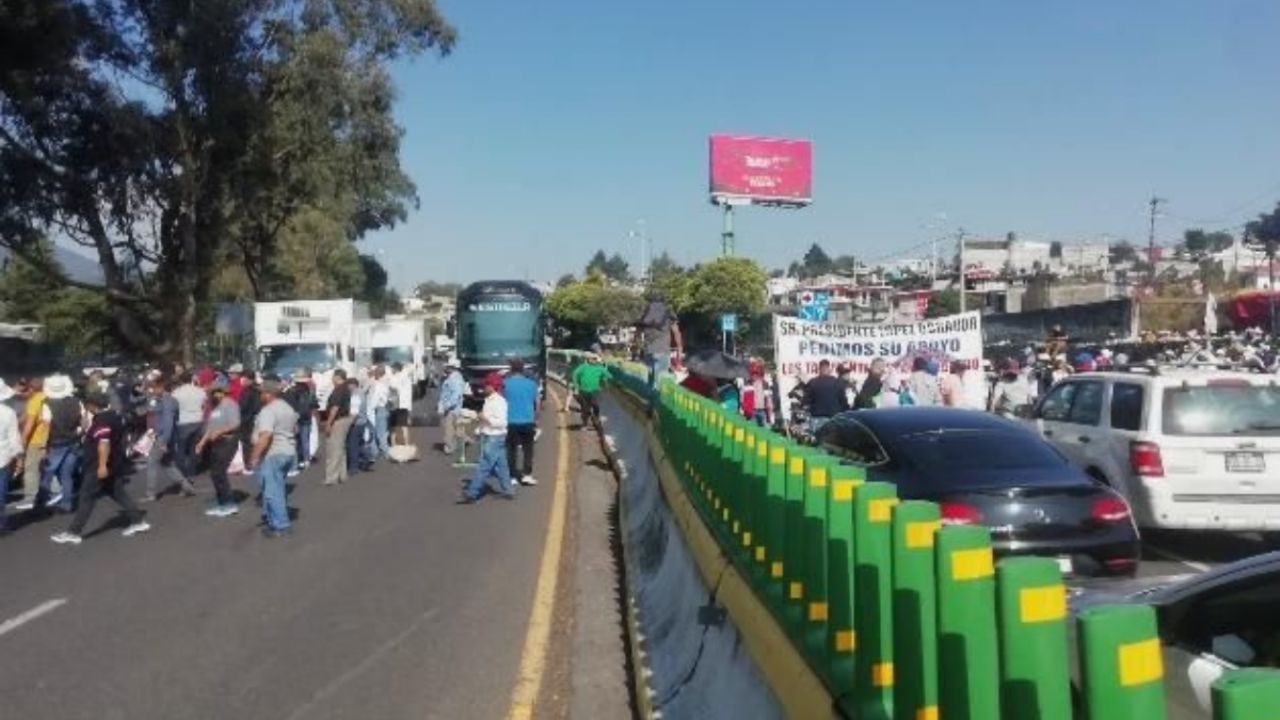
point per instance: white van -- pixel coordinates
(1190, 448)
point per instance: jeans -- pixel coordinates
(659, 365)
(184, 449)
(304, 439)
(493, 461)
(520, 436)
(60, 463)
(221, 453)
(157, 462)
(90, 488)
(355, 445)
(381, 442)
(271, 474)
(5, 476)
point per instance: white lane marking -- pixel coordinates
(359, 668)
(1198, 566)
(43, 608)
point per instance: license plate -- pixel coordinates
(1064, 564)
(1246, 462)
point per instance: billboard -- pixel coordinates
(766, 171)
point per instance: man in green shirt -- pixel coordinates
(587, 380)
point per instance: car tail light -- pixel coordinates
(960, 514)
(1144, 458)
(1110, 510)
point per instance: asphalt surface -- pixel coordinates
(388, 602)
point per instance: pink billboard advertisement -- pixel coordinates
(763, 170)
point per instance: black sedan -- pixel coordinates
(985, 470)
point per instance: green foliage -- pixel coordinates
(1199, 242)
(1266, 230)
(566, 280)
(175, 138)
(442, 289)
(816, 262)
(664, 266)
(591, 304)
(613, 267)
(942, 303)
(726, 285)
(77, 321)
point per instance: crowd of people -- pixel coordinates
(65, 447)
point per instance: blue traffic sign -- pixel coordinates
(728, 323)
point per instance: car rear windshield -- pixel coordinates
(1236, 409)
(956, 451)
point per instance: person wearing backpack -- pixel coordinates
(105, 466)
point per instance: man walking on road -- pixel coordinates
(587, 380)
(221, 439)
(274, 455)
(65, 416)
(105, 464)
(163, 419)
(379, 395)
(337, 423)
(449, 407)
(10, 447)
(521, 393)
(301, 396)
(35, 439)
(402, 397)
(191, 399)
(493, 437)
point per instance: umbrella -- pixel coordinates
(718, 365)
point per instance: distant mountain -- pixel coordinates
(77, 267)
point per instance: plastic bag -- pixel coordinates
(237, 463)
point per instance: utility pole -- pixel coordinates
(960, 245)
(1151, 236)
(726, 236)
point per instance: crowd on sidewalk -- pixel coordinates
(66, 447)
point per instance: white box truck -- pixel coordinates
(398, 340)
(315, 334)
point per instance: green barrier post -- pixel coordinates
(841, 639)
(775, 523)
(1035, 671)
(915, 608)
(1248, 694)
(1121, 663)
(968, 680)
(817, 608)
(746, 496)
(794, 559)
(873, 554)
(759, 505)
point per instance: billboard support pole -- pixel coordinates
(726, 235)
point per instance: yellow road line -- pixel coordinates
(533, 659)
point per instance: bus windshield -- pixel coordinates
(399, 354)
(288, 359)
(500, 332)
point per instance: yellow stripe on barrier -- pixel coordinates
(797, 465)
(927, 713)
(972, 564)
(842, 490)
(746, 539)
(818, 477)
(881, 511)
(775, 570)
(778, 457)
(1042, 604)
(920, 534)
(846, 641)
(760, 554)
(763, 448)
(797, 591)
(882, 674)
(818, 612)
(740, 435)
(1140, 663)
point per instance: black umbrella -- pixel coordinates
(718, 365)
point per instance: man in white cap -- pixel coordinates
(449, 405)
(10, 447)
(66, 417)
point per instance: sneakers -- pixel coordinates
(54, 500)
(221, 511)
(136, 528)
(528, 480)
(148, 498)
(271, 533)
(25, 505)
(67, 538)
(465, 499)
(294, 473)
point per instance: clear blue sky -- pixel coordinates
(556, 125)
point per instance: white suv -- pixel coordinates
(1189, 448)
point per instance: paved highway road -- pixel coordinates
(388, 602)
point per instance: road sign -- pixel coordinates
(728, 323)
(816, 313)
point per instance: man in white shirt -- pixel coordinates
(493, 446)
(402, 384)
(10, 448)
(379, 396)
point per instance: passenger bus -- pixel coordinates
(499, 321)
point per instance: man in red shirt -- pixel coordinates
(236, 381)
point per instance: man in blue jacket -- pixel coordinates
(162, 410)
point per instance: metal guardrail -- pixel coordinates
(901, 616)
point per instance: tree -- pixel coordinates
(1123, 252)
(584, 307)
(726, 285)
(1055, 250)
(664, 266)
(75, 320)
(566, 280)
(1198, 242)
(942, 303)
(815, 262)
(382, 300)
(844, 264)
(173, 138)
